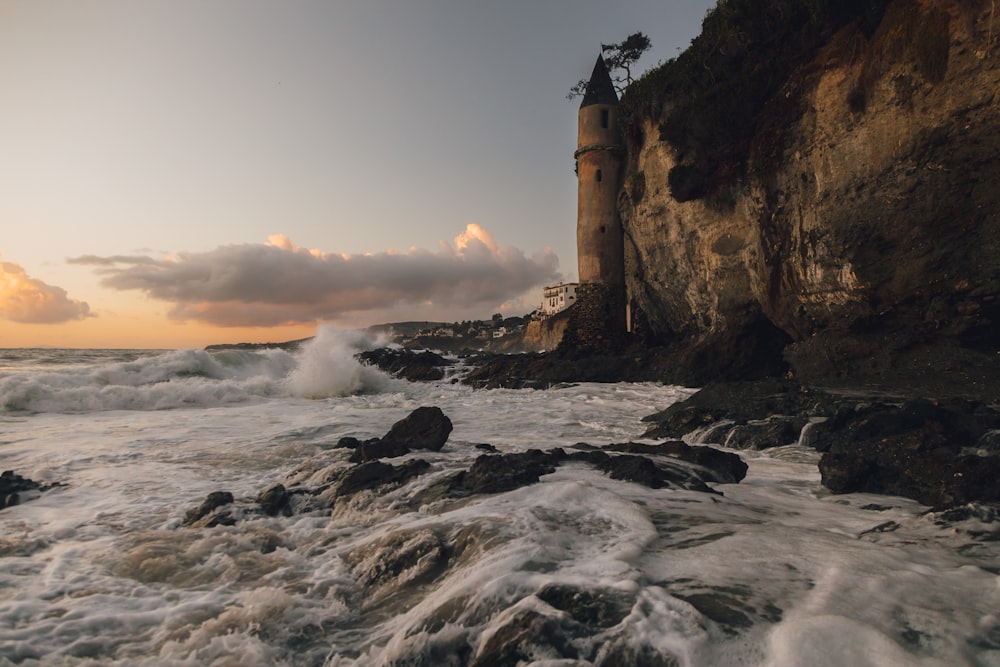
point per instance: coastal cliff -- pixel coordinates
(854, 230)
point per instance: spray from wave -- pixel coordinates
(328, 368)
(325, 367)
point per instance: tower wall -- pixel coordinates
(599, 165)
(599, 323)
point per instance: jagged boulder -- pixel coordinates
(424, 428)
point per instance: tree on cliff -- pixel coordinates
(619, 58)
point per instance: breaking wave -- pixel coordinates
(325, 367)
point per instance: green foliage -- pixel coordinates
(715, 91)
(619, 58)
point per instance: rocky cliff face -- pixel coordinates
(864, 233)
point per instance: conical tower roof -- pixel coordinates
(600, 89)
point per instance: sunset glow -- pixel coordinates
(178, 173)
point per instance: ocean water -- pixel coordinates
(101, 570)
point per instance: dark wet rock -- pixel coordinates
(875, 507)
(527, 637)
(15, 489)
(622, 653)
(721, 608)
(400, 559)
(497, 473)
(275, 500)
(884, 527)
(642, 470)
(373, 474)
(486, 447)
(913, 450)
(953, 423)
(765, 433)
(424, 428)
(989, 443)
(732, 608)
(723, 467)
(407, 364)
(739, 402)
(941, 452)
(371, 450)
(348, 442)
(566, 366)
(209, 513)
(603, 609)
(981, 512)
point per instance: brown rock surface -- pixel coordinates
(865, 228)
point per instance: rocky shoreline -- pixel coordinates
(929, 437)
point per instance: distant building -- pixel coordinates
(558, 298)
(500, 332)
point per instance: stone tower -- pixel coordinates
(600, 160)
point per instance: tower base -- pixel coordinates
(596, 321)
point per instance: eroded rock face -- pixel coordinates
(866, 233)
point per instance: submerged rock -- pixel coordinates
(496, 473)
(527, 637)
(722, 467)
(643, 471)
(210, 513)
(372, 450)
(15, 489)
(275, 500)
(403, 558)
(373, 474)
(595, 609)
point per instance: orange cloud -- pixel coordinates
(27, 300)
(280, 283)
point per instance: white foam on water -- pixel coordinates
(775, 572)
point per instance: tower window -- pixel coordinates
(598, 175)
(602, 228)
(604, 118)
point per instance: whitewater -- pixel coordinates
(776, 571)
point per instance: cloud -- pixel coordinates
(281, 283)
(28, 300)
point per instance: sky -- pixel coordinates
(178, 173)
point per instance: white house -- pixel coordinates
(558, 298)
